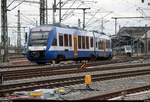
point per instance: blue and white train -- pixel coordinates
(51, 42)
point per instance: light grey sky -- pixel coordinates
(99, 8)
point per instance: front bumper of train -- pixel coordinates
(36, 56)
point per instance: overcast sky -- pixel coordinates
(105, 9)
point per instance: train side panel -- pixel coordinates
(64, 43)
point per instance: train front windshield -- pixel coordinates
(128, 47)
(38, 38)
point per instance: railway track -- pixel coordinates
(29, 71)
(65, 81)
(92, 63)
(20, 70)
(120, 93)
(47, 71)
(16, 66)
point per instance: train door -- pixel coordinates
(75, 40)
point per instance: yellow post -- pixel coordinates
(88, 81)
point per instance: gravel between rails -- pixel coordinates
(106, 87)
(70, 80)
(46, 71)
(71, 75)
(69, 66)
(9, 66)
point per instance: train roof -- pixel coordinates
(42, 28)
(48, 27)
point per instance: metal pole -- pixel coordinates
(67, 9)
(132, 44)
(115, 26)
(42, 13)
(19, 33)
(54, 10)
(84, 19)
(137, 47)
(46, 11)
(36, 23)
(146, 48)
(4, 31)
(102, 23)
(8, 41)
(59, 11)
(26, 37)
(79, 23)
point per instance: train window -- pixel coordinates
(70, 40)
(122, 49)
(101, 44)
(91, 41)
(60, 39)
(54, 43)
(79, 42)
(65, 39)
(83, 42)
(107, 44)
(104, 44)
(87, 42)
(96, 44)
(39, 38)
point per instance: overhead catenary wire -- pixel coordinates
(65, 3)
(16, 5)
(29, 19)
(71, 13)
(33, 1)
(11, 3)
(68, 8)
(92, 16)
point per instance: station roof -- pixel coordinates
(126, 34)
(133, 31)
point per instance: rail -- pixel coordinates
(118, 93)
(58, 82)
